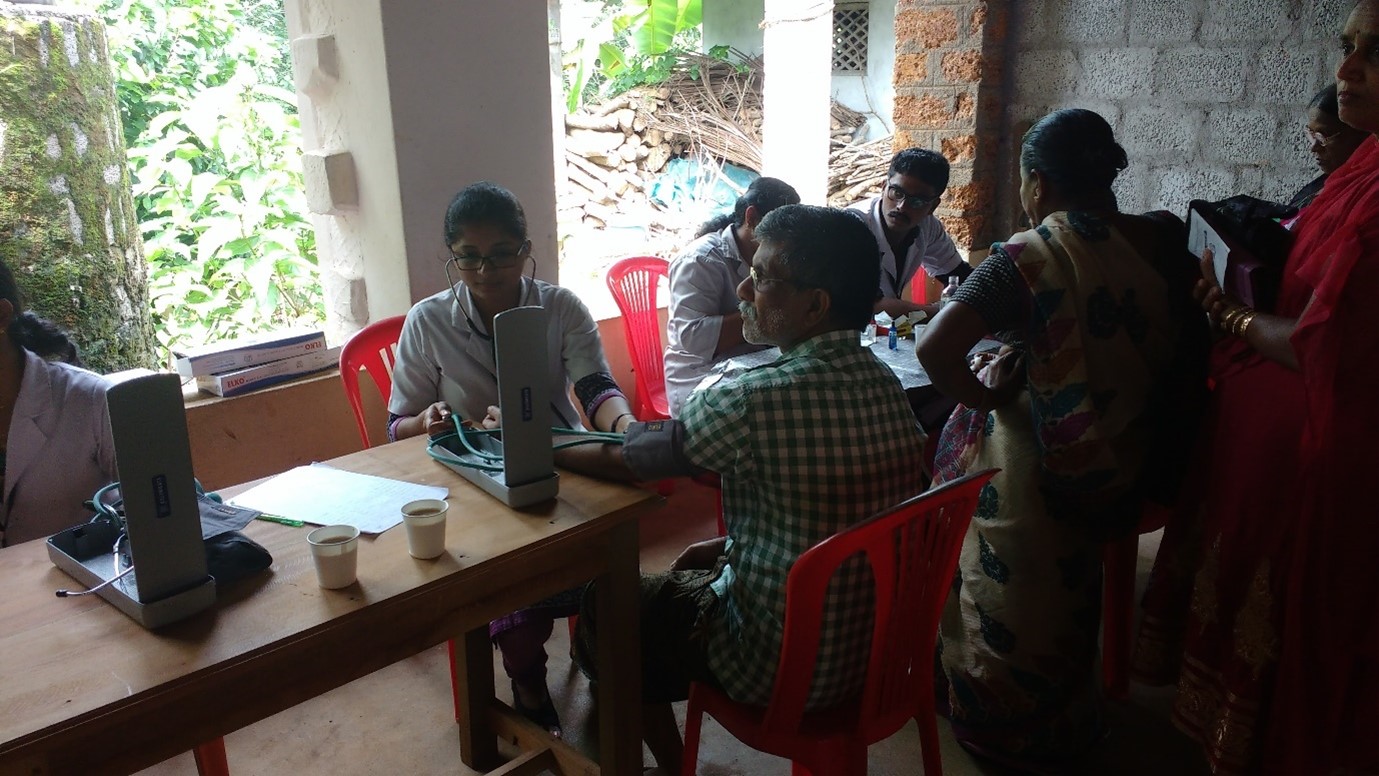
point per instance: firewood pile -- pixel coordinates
(856, 170)
(708, 109)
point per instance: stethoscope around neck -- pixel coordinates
(524, 301)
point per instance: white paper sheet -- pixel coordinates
(1200, 236)
(325, 495)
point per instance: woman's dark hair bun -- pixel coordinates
(45, 338)
(31, 332)
(1076, 149)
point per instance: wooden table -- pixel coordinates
(85, 689)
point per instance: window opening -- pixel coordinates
(850, 38)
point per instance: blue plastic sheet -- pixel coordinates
(703, 188)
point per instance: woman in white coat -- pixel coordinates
(446, 365)
(55, 445)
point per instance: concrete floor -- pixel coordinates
(399, 720)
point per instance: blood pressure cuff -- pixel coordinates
(656, 450)
(232, 556)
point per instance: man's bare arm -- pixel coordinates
(601, 460)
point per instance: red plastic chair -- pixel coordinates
(374, 349)
(913, 550)
(634, 285)
(1119, 560)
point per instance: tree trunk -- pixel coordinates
(67, 224)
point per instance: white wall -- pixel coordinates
(736, 23)
(874, 92)
(469, 92)
(425, 104)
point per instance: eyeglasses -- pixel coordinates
(900, 197)
(1322, 140)
(761, 281)
(496, 261)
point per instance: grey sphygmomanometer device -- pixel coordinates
(151, 561)
(518, 466)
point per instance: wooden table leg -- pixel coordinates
(474, 669)
(619, 656)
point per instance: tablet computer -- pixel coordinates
(1239, 272)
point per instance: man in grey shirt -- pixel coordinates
(705, 326)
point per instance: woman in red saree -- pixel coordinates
(1280, 650)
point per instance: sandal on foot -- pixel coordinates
(543, 715)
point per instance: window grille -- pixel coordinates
(850, 38)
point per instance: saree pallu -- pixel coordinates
(1328, 688)
(1266, 583)
(1236, 564)
(1018, 638)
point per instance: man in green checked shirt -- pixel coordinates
(818, 440)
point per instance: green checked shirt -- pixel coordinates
(818, 440)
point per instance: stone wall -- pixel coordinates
(67, 222)
(1207, 96)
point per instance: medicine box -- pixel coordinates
(263, 375)
(238, 354)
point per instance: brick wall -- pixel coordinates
(1207, 96)
(949, 78)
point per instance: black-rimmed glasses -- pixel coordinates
(901, 197)
(503, 260)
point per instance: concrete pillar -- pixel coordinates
(557, 118)
(412, 100)
(798, 55)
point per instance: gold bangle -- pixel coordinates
(1233, 318)
(1225, 321)
(1243, 323)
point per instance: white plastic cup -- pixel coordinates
(335, 549)
(425, 521)
(869, 334)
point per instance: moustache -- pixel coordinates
(897, 215)
(749, 313)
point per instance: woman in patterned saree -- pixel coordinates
(1095, 306)
(1263, 601)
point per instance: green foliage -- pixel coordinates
(637, 46)
(658, 22)
(214, 149)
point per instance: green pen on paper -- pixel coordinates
(279, 519)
